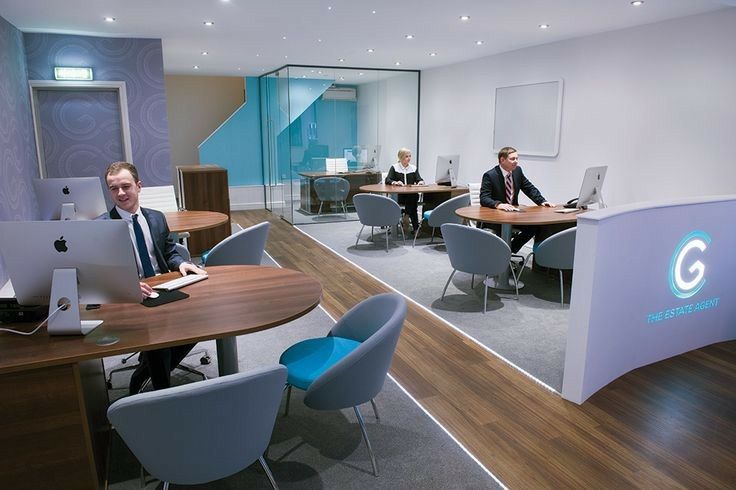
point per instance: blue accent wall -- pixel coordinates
(18, 164)
(137, 62)
(236, 145)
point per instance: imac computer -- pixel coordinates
(70, 198)
(447, 170)
(64, 263)
(590, 190)
(366, 156)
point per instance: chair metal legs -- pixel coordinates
(562, 291)
(288, 399)
(447, 284)
(320, 208)
(375, 409)
(360, 233)
(268, 473)
(485, 294)
(367, 442)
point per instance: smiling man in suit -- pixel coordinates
(155, 254)
(500, 190)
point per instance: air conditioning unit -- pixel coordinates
(339, 93)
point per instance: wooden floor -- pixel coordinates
(668, 425)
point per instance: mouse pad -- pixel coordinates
(165, 297)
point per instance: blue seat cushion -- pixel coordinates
(308, 359)
(427, 214)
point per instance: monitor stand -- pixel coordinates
(65, 291)
(68, 212)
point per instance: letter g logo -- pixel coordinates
(686, 278)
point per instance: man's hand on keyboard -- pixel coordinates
(187, 267)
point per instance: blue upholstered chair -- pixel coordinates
(374, 210)
(348, 367)
(555, 252)
(476, 251)
(332, 189)
(444, 213)
(242, 248)
(231, 416)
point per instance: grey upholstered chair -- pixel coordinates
(476, 251)
(374, 210)
(556, 252)
(332, 189)
(348, 367)
(242, 248)
(231, 416)
(444, 213)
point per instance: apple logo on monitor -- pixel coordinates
(60, 245)
(65, 190)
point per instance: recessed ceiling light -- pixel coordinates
(196, 67)
(109, 19)
(312, 71)
(636, 3)
(238, 69)
(342, 78)
(283, 37)
(370, 50)
(286, 56)
(225, 1)
(465, 18)
(319, 72)
(258, 55)
(341, 60)
(433, 54)
(204, 53)
(478, 43)
(304, 76)
(360, 74)
(544, 26)
(319, 40)
(208, 23)
(373, 11)
(409, 36)
(329, 7)
(397, 63)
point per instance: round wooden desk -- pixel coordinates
(57, 384)
(529, 215)
(181, 221)
(410, 189)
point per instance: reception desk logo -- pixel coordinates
(687, 272)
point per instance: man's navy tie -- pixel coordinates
(142, 248)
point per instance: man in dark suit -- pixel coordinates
(155, 254)
(500, 190)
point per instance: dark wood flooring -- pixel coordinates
(668, 425)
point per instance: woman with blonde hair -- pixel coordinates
(403, 173)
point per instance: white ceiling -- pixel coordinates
(246, 38)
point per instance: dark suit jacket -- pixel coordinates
(163, 245)
(493, 188)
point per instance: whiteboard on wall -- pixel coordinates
(528, 116)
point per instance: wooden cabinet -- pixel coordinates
(205, 188)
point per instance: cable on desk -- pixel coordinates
(18, 332)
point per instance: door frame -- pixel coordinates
(74, 86)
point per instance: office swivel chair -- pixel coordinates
(332, 189)
(374, 210)
(204, 360)
(555, 252)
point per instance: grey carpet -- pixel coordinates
(530, 333)
(315, 449)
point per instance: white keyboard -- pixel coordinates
(567, 210)
(180, 282)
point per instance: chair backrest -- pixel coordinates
(332, 188)
(242, 248)
(183, 251)
(376, 322)
(445, 212)
(162, 198)
(231, 417)
(474, 250)
(474, 191)
(557, 251)
(375, 210)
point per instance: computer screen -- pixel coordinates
(447, 169)
(84, 194)
(98, 252)
(590, 190)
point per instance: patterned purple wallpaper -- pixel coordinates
(18, 166)
(137, 62)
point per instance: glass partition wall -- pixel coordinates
(329, 131)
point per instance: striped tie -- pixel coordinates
(509, 189)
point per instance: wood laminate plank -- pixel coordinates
(671, 424)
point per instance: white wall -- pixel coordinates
(655, 103)
(387, 115)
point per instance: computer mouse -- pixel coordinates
(153, 295)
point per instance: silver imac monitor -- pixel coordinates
(367, 156)
(591, 189)
(447, 170)
(70, 262)
(70, 198)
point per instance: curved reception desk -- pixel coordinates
(652, 280)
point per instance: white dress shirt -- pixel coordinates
(128, 218)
